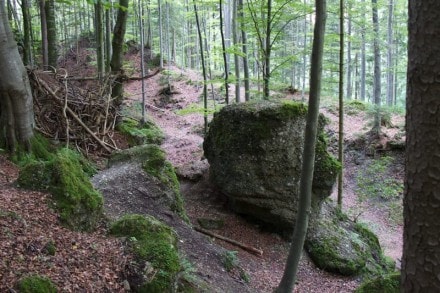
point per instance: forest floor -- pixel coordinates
(94, 263)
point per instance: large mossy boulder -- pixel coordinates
(255, 154)
(155, 247)
(339, 245)
(64, 176)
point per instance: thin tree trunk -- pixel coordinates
(421, 249)
(390, 77)
(236, 59)
(141, 34)
(341, 102)
(108, 40)
(363, 60)
(99, 36)
(377, 73)
(349, 61)
(159, 11)
(205, 88)
(16, 115)
(225, 59)
(245, 54)
(267, 50)
(305, 190)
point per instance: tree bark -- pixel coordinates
(51, 33)
(341, 102)
(390, 70)
(44, 33)
(421, 240)
(27, 32)
(225, 58)
(117, 57)
(16, 108)
(288, 280)
(377, 72)
(245, 54)
(236, 59)
(363, 60)
(267, 51)
(99, 36)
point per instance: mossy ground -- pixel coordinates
(389, 283)
(139, 134)
(64, 176)
(153, 242)
(36, 284)
(339, 245)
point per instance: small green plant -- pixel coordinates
(395, 212)
(36, 284)
(230, 260)
(375, 182)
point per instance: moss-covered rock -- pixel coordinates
(155, 246)
(255, 154)
(139, 134)
(154, 163)
(78, 203)
(36, 284)
(389, 283)
(337, 244)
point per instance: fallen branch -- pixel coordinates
(145, 76)
(232, 241)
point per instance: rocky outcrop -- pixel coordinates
(255, 153)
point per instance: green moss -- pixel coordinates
(138, 134)
(156, 165)
(41, 150)
(353, 107)
(328, 254)
(389, 283)
(79, 204)
(36, 284)
(154, 242)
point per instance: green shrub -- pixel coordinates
(230, 260)
(36, 284)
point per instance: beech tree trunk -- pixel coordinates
(421, 238)
(117, 57)
(225, 58)
(16, 109)
(51, 33)
(288, 280)
(377, 71)
(27, 32)
(44, 33)
(99, 36)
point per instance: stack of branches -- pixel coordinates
(83, 117)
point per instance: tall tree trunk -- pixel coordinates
(27, 32)
(225, 59)
(349, 61)
(108, 40)
(304, 67)
(377, 72)
(117, 57)
(16, 108)
(51, 33)
(245, 54)
(421, 241)
(363, 60)
(341, 101)
(99, 36)
(205, 86)
(44, 44)
(236, 57)
(390, 72)
(267, 51)
(159, 11)
(305, 189)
